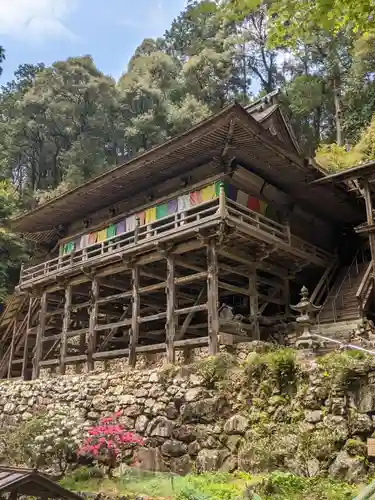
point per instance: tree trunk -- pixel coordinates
(337, 101)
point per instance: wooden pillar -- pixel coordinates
(91, 342)
(136, 230)
(65, 328)
(213, 297)
(370, 217)
(11, 353)
(134, 331)
(286, 295)
(254, 305)
(222, 200)
(26, 342)
(40, 334)
(170, 326)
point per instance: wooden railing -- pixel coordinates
(175, 223)
(365, 287)
(257, 220)
(324, 284)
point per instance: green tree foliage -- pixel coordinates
(2, 57)
(333, 157)
(294, 20)
(12, 248)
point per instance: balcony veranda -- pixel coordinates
(177, 227)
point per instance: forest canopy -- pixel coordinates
(62, 124)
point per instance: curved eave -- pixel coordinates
(263, 152)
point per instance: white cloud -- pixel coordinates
(155, 18)
(35, 20)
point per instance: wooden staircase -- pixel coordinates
(349, 295)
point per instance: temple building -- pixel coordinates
(201, 241)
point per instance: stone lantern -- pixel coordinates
(305, 308)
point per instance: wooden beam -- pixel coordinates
(233, 288)
(111, 326)
(153, 317)
(183, 280)
(185, 325)
(116, 296)
(134, 332)
(242, 258)
(113, 331)
(191, 310)
(65, 327)
(91, 348)
(40, 335)
(170, 325)
(213, 297)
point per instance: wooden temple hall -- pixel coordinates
(206, 239)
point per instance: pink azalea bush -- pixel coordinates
(109, 443)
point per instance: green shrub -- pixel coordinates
(278, 366)
(215, 369)
(166, 373)
(342, 367)
(285, 486)
(355, 447)
(190, 493)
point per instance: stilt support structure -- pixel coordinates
(39, 336)
(171, 308)
(92, 324)
(134, 331)
(213, 297)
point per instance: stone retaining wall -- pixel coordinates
(190, 423)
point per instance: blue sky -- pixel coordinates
(33, 31)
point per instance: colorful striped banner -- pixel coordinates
(148, 216)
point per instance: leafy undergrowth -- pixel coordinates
(213, 486)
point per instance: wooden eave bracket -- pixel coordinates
(87, 271)
(228, 140)
(164, 249)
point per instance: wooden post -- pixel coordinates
(286, 222)
(222, 201)
(370, 218)
(21, 271)
(136, 229)
(213, 297)
(65, 328)
(286, 295)
(26, 343)
(11, 354)
(91, 343)
(40, 334)
(170, 325)
(254, 305)
(134, 331)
